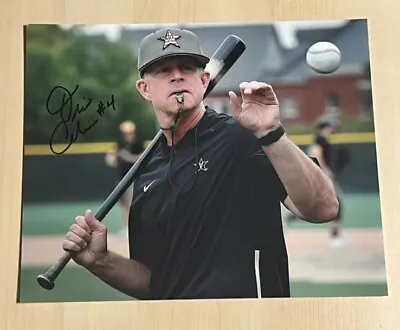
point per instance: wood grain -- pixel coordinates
(326, 313)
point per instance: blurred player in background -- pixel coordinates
(129, 149)
(322, 149)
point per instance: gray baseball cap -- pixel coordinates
(169, 42)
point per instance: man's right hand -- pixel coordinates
(86, 240)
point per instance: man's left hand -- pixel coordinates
(258, 110)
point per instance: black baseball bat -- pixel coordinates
(220, 62)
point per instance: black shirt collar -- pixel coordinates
(188, 138)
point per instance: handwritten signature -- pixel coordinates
(69, 114)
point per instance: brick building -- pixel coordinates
(303, 94)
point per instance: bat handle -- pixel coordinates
(47, 279)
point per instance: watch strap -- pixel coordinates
(273, 136)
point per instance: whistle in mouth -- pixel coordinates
(179, 98)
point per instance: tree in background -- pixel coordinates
(103, 71)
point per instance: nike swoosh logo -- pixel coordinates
(146, 187)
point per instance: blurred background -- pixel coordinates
(101, 61)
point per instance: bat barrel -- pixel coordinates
(229, 51)
(224, 57)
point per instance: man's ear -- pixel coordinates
(142, 87)
(205, 79)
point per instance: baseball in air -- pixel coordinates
(324, 57)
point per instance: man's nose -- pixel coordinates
(176, 74)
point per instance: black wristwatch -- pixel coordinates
(272, 136)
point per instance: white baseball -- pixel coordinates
(324, 57)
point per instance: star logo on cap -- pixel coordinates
(169, 39)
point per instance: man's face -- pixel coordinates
(129, 136)
(171, 75)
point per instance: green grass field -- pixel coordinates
(359, 211)
(76, 284)
(56, 218)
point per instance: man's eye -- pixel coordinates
(161, 71)
(188, 68)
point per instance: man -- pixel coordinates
(205, 218)
(129, 149)
(322, 149)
